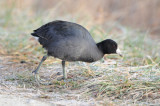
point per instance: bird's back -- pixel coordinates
(67, 41)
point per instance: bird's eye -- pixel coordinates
(114, 46)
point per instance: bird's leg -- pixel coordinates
(43, 59)
(37, 78)
(64, 72)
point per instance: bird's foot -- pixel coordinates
(39, 81)
(64, 79)
(60, 78)
(35, 71)
(37, 78)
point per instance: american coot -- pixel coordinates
(71, 42)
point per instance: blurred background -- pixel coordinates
(134, 24)
(141, 14)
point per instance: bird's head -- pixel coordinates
(109, 46)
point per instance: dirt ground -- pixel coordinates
(15, 92)
(18, 86)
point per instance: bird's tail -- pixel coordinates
(34, 34)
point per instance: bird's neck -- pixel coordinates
(100, 53)
(99, 45)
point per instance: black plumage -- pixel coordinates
(71, 42)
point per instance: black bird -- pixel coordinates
(71, 42)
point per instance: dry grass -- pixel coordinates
(131, 80)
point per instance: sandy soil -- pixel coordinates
(11, 100)
(18, 86)
(11, 93)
